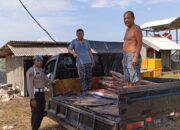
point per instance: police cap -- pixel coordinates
(38, 58)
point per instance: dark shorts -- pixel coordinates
(131, 72)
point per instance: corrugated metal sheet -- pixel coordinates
(106, 47)
(26, 43)
(31, 51)
(31, 48)
(159, 43)
(170, 23)
(34, 43)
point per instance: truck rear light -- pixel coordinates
(172, 114)
(135, 125)
(149, 119)
(177, 114)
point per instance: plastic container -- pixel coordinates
(157, 72)
(144, 64)
(154, 63)
(147, 74)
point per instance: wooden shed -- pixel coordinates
(156, 44)
(159, 47)
(18, 55)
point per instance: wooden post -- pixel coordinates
(178, 51)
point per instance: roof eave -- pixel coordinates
(161, 27)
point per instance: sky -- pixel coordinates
(101, 19)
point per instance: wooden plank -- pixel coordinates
(117, 82)
(146, 82)
(117, 74)
(84, 101)
(119, 79)
(105, 94)
(111, 89)
(87, 101)
(106, 110)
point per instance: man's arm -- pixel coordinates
(91, 55)
(49, 81)
(30, 86)
(71, 49)
(138, 36)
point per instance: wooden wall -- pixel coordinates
(165, 55)
(166, 59)
(144, 51)
(15, 72)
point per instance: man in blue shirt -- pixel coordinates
(81, 50)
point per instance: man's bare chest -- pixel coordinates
(130, 35)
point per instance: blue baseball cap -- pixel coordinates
(38, 58)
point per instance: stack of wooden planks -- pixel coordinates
(116, 81)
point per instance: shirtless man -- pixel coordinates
(131, 50)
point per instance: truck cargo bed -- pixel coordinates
(83, 117)
(95, 112)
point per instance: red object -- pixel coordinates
(149, 119)
(30, 75)
(177, 114)
(157, 35)
(168, 35)
(135, 125)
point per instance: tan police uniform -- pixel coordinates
(36, 80)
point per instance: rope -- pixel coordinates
(37, 21)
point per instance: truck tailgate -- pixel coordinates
(143, 101)
(64, 110)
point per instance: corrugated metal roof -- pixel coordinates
(160, 43)
(31, 48)
(31, 51)
(170, 23)
(34, 43)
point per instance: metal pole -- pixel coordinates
(146, 33)
(178, 51)
(176, 35)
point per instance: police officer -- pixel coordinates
(36, 80)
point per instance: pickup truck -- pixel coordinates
(142, 107)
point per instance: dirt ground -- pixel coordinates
(16, 113)
(172, 74)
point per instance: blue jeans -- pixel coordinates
(131, 72)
